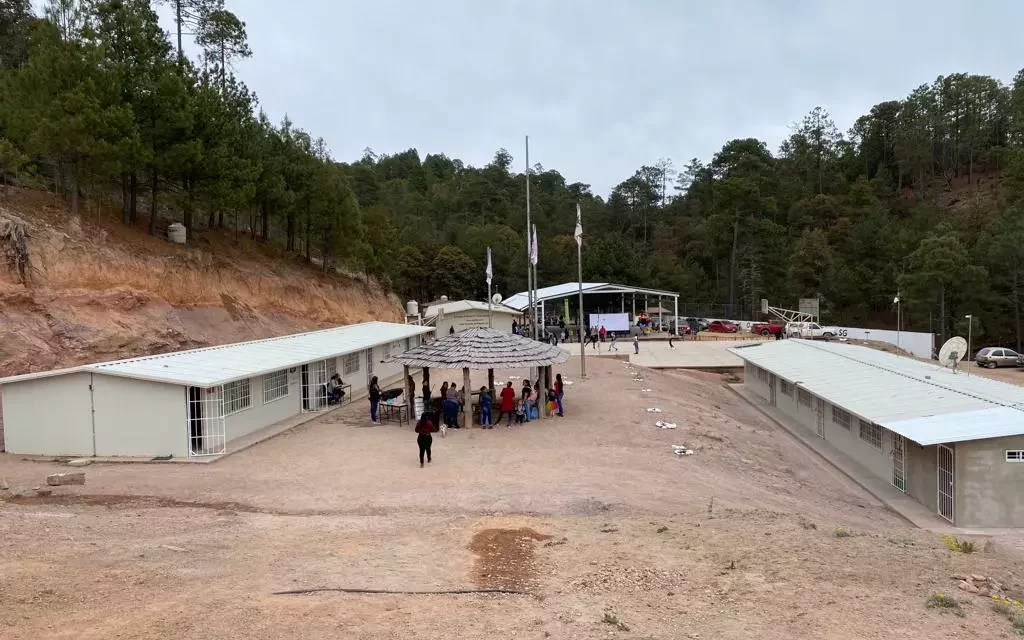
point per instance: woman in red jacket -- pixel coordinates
(508, 403)
(423, 438)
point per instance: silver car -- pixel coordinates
(992, 357)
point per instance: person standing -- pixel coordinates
(374, 399)
(636, 344)
(485, 408)
(508, 403)
(426, 394)
(451, 406)
(423, 438)
(614, 344)
(451, 330)
(515, 327)
(560, 390)
(527, 397)
(602, 333)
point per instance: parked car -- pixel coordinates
(696, 324)
(722, 326)
(772, 328)
(992, 357)
(811, 330)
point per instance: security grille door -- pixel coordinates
(821, 418)
(899, 462)
(771, 390)
(207, 434)
(945, 476)
(314, 386)
(369, 365)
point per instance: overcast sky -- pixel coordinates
(602, 86)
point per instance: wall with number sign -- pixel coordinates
(919, 344)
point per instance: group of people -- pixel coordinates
(522, 408)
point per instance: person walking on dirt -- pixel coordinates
(614, 344)
(508, 403)
(374, 399)
(423, 438)
(636, 344)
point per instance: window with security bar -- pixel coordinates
(763, 375)
(786, 388)
(351, 363)
(275, 386)
(842, 418)
(804, 397)
(871, 433)
(331, 367)
(1015, 455)
(236, 396)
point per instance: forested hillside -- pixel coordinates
(922, 195)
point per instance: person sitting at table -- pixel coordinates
(334, 389)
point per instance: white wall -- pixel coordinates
(473, 319)
(139, 418)
(919, 344)
(49, 416)
(260, 414)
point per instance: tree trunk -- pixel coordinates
(306, 239)
(133, 197)
(942, 316)
(220, 220)
(211, 221)
(265, 222)
(1016, 305)
(189, 224)
(153, 183)
(291, 231)
(126, 212)
(74, 188)
(732, 258)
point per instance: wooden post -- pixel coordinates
(467, 393)
(410, 390)
(490, 379)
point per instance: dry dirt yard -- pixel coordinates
(599, 529)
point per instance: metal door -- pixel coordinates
(207, 434)
(369, 366)
(899, 462)
(946, 475)
(771, 390)
(821, 418)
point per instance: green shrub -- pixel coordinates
(945, 603)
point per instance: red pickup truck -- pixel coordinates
(768, 328)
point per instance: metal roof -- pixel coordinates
(213, 366)
(466, 305)
(922, 401)
(520, 300)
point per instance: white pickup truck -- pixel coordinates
(812, 331)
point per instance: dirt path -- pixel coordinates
(591, 516)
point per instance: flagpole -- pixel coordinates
(579, 265)
(537, 319)
(490, 272)
(529, 240)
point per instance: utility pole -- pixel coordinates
(529, 239)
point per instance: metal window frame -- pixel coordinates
(874, 430)
(350, 364)
(802, 393)
(1019, 457)
(842, 417)
(246, 397)
(271, 384)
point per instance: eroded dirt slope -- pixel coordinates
(102, 291)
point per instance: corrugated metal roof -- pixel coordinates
(466, 305)
(520, 301)
(892, 391)
(998, 422)
(212, 366)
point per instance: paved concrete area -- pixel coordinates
(657, 354)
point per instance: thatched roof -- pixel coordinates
(482, 349)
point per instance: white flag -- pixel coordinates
(490, 272)
(533, 247)
(579, 226)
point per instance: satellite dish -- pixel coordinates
(952, 352)
(496, 298)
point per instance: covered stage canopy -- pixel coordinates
(521, 301)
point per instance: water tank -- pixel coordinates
(176, 233)
(412, 308)
(444, 298)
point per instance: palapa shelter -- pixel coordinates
(481, 349)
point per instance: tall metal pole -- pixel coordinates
(970, 327)
(529, 238)
(583, 350)
(538, 315)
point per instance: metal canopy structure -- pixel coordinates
(212, 366)
(923, 402)
(521, 301)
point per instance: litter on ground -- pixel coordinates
(661, 424)
(681, 450)
(653, 410)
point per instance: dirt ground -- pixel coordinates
(582, 527)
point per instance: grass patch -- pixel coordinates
(901, 542)
(956, 544)
(1012, 609)
(613, 620)
(1018, 624)
(842, 532)
(945, 604)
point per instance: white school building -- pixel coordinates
(191, 404)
